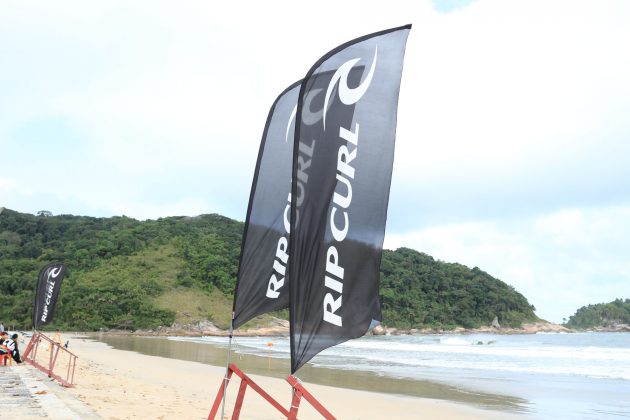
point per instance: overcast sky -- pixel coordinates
(513, 128)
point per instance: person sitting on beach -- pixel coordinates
(3, 349)
(12, 345)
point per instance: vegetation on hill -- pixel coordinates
(131, 274)
(418, 290)
(601, 315)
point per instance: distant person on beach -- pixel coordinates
(55, 339)
(1, 327)
(12, 345)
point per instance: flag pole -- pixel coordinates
(227, 366)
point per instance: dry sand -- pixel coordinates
(119, 384)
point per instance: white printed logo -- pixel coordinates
(349, 96)
(291, 118)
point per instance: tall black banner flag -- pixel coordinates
(48, 287)
(261, 284)
(342, 167)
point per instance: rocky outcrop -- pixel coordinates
(495, 323)
(198, 328)
(495, 328)
(378, 330)
(611, 328)
(280, 327)
(276, 327)
(543, 327)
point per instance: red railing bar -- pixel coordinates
(258, 389)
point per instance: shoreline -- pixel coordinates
(281, 328)
(193, 330)
(128, 384)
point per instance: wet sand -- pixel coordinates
(146, 377)
(278, 368)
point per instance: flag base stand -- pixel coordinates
(299, 392)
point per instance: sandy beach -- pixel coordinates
(119, 384)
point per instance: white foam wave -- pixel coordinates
(455, 341)
(461, 352)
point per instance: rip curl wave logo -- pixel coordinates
(54, 272)
(309, 116)
(291, 119)
(347, 95)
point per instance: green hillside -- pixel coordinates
(417, 290)
(125, 273)
(601, 315)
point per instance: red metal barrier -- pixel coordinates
(299, 392)
(30, 356)
(245, 381)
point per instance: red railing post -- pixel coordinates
(29, 346)
(74, 363)
(300, 392)
(239, 399)
(53, 360)
(217, 400)
(36, 347)
(295, 404)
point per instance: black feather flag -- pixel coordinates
(48, 287)
(342, 166)
(261, 284)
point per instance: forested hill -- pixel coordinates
(125, 273)
(606, 315)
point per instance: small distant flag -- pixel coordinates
(48, 287)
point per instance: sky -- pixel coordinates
(512, 141)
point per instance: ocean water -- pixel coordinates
(549, 376)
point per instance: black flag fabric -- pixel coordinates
(342, 166)
(261, 284)
(48, 287)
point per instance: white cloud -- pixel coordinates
(513, 107)
(11, 186)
